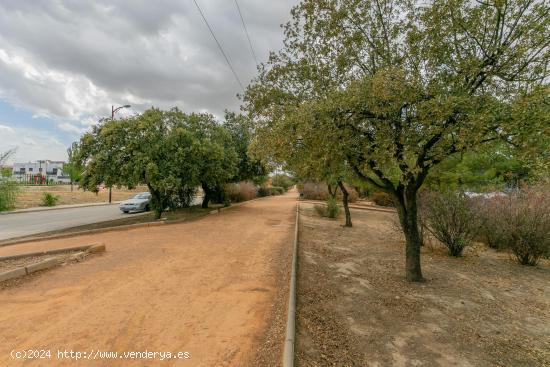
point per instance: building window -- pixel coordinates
(30, 169)
(22, 170)
(40, 169)
(54, 171)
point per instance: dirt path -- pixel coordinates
(211, 288)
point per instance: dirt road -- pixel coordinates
(215, 288)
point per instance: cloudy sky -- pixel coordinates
(63, 63)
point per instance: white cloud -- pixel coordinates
(6, 129)
(62, 59)
(70, 128)
(31, 145)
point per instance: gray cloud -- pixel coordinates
(72, 59)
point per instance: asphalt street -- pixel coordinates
(25, 224)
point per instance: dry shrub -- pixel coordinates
(382, 199)
(450, 218)
(321, 210)
(492, 232)
(242, 191)
(519, 222)
(319, 191)
(315, 191)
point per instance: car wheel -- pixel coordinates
(126, 211)
(147, 208)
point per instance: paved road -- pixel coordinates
(25, 224)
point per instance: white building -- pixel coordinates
(40, 172)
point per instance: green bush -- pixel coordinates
(49, 199)
(8, 195)
(270, 191)
(450, 218)
(277, 190)
(332, 208)
(281, 180)
(263, 191)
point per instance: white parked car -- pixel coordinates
(139, 203)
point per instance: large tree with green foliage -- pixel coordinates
(169, 151)
(401, 85)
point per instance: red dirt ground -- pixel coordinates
(215, 288)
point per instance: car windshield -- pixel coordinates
(143, 195)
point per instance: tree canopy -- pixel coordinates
(397, 86)
(169, 151)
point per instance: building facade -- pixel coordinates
(40, 172)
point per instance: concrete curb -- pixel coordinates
(42, 265)
(60, 207)
(49, 262)
(25, 270)
(288, 353)
(49, 252)
(14, 273)
(374, 208)
(19, 240)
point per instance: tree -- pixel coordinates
(72, 168)
(248, 168)
(216, 154)
(412, 83)
(5, 172)
(490, 167)
(169, 151)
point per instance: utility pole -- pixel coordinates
(113, 111)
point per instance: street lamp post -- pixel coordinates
(113, 111)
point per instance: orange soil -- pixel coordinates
(207, 287)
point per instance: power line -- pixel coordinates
(246, 32)
(219, 45)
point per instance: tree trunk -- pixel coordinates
(157, 203)
(330, 191)
(408, 217)
(345, 197)
(206, 197)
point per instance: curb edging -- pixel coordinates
(46, 263)
(50, 252)
(288, 352)
(373, 208)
